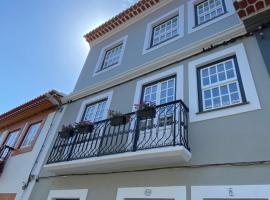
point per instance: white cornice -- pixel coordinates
(159, 62)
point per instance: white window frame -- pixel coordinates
(93, 99)
(231, 192)
(192, 27)
(168, 192)
(178, 71)
(102, 54)
(80, 194)
(148, 35)
(247, 80)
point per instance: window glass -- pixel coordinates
(12, 138)
(160, 92)
(95, 112)
(165, 31)
(208, 10)
(31, 134)
(220, 85)
(112, 56)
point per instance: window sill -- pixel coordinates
(106, 69)
(22, 150)
(209, 21)
(222, 108)
(152, 48)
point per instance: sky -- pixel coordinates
(42, 45)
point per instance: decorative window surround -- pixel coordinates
(247, 80)
(220, 85)
(260, 192)
(93, 99)
(169, 193)
(80, 194)
(178, 71)
(149, 30)
(98, 69)
(192, 27)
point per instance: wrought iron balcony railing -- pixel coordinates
(167, 127)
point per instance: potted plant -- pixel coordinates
(84, 127)
(146, 110)
(117, 118)
(67, 131)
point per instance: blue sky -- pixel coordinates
(42, 45)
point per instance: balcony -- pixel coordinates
(156, 141)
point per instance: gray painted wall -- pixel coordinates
(264, 44)
(241, 137)
(104, 187)
(136, 34)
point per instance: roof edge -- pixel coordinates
(120, 19)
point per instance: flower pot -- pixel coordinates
(85, 128)
(148, 113)
(66, 133)
(118, 120)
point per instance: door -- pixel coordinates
(159, 130)
(235, 199)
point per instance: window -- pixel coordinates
(112, 56)
(31, 134)
(208, 10)
(95, 112)
(160, 92)
(220, 85)
(202, 13)
(12, 138)
(220, 80)
(165, 31)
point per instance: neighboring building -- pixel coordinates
(207, 138)
(23, 133)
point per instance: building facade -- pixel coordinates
(201, 130)
(23, 132)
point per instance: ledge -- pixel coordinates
(160, 157)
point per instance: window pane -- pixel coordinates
(221, 76)
(206, 81)
(230, 74)
(165, 31)
(225, 100)
(31, 134)
(207, 94)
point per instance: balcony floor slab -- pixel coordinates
(151, 158)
